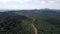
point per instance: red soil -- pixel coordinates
(34, 27)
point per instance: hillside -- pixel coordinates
(13, 23)
(47, 20)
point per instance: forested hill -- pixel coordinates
(47, 20)
(13, 23)
(45, 14)
(35, 13)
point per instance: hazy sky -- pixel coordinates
(29, 4)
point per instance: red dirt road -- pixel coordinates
(34, 27)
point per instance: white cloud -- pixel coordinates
(20, 1)
(28, 4)
(51, 1)
(27, 0)
(3, 1)
(47, 1)
(43, 2)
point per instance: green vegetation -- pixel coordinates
(47, 21)
(18, 24)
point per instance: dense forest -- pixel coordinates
(19, 21)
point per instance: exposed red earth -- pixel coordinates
(34, 27)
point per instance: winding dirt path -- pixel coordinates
(34, 27)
